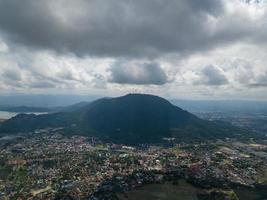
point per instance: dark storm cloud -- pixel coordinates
(140, 74)
(112, 28)
(213, 76)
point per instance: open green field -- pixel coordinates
(185, 191)
(168, 191)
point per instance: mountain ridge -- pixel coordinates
(132, 118)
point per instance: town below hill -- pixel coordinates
(49, 165)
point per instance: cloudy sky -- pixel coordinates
(188, 49)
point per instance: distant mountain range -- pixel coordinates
(47, 101)
(33, 109)
(24, 109)
(132, 118)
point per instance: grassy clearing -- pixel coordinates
(262, 179)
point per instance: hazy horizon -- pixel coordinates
(52, 100)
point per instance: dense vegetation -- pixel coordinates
(132, 118)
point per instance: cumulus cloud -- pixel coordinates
(67, 75)
(213, 76)
(259, 81)
(244, 71)
(27, 71)
(42, 84)
(140, 74)
(3, 47)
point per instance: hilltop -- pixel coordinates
(131, 118)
